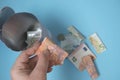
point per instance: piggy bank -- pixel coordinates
(19, 30)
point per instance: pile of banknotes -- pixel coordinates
(80, 54)
(57, 55)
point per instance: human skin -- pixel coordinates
(35, 68)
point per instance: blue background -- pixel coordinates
(89, 16)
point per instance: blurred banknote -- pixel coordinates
(32, 36)
(97, 43)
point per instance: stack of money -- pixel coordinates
(57, 55)
(72, 40)
(80, 55)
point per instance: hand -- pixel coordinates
(36, 68)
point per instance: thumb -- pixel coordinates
(42, 64)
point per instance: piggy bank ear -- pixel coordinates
(14, 31)
(5, 14)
